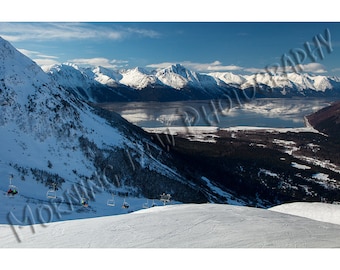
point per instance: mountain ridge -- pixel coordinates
(181, 83)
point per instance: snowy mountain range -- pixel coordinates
(51, 140)
(179, 83)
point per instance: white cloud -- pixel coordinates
(161, 65)
(28, 53)
(67, 31)
(45, 62)
(99, 61)
(119, 62)
(10, 38)
(313, 68)
(33, 54)
(141, 32)
(335, 69)
(47, 56)
(41, 59)
(255, 70)
(48, 31)
(199, 67)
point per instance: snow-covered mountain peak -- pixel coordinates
(6, 49)
(67, 66)
(70, 64)
(321, 83)
(71, 76)
(35, 109)
(102, 70)
(32, 102)
(135, 70)
(177, 76)
(229, 77)
(141, 70)
(23, 85)
(18, 70)
(179, 70)
(104, 75)
(138, 78)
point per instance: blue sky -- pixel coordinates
(238, 47)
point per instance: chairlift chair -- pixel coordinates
(84, 202)
(125, 204)
(51, 193)
(111, 202)
(12, 189)
(165, 198)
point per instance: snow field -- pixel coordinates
(324, 212)
(183, 226)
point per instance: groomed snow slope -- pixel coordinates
(324, 212)
(181, 226)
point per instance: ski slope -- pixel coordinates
(317, 211)
(181, 226)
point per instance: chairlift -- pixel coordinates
(111, 202)
(165, 198)
(146, 204)
(84, 202)
(125, 204)
(52, 193)
(12, 189)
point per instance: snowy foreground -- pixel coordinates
(189, 226)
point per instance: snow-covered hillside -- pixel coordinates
(183, 226)
(318, 211)
(50, 139)
(187, 84)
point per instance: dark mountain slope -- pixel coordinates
(327, 120)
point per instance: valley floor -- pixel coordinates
(277, 165)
